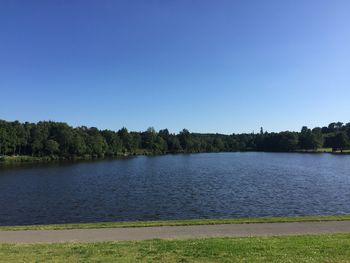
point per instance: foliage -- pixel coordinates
(57, 139)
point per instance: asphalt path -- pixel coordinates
(174, 232)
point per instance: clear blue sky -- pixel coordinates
(209, 66)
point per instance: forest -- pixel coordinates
(61, 141)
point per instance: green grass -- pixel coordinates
(180, 222)
(345, 151)
(312, 248)
(18, 159)
(324, 150)
(32, 159)
(319, 150)
(24, 159)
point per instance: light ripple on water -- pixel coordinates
(176, 187)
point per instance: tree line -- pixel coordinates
(48, 138)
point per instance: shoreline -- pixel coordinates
(18, 159)
(186, 222)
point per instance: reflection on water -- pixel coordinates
(210, 185)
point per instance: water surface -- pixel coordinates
(213, 185)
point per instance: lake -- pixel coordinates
(183, 186)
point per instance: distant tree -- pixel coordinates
(98, 145)
(288, 141)
(149, 139)
(174, 144)
(232, 142)
(218, 144)
(161, 144)
(4, 137)
(310, 139)
(78, 144)
(339, 141)
(164, 134)
(114, 144)
(51, 147)
(348, 129)
(331, 127)
(126, 139)
(60, 139)
(63, 134)
(20, 137)
(38, 136)
(305, 129)
(317, 130)
(324, 130)
(186, 141)
(135, 141)
(338, 125)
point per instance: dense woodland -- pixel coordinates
(57, 139)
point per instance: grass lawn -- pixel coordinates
(324, 150)
(23, 159)
(317, 248)
(180, 222)
(318, 150)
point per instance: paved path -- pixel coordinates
(173, 232)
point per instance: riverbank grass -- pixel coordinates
(24, 159)
(180, 222)
(318, 150)
(7, 159)
(324, 150)
(308, 248)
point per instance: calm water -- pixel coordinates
(176, 187)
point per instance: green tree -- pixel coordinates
(218, 144)
(339, 141)
(288, 141)
(148, 140)
(51, 147)
(38, 135)
(96, 143)
(78, 146)
(186, 141)
(113, 141)
(174, 144)
(4, 138)
(310, 139)
(126, 139)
